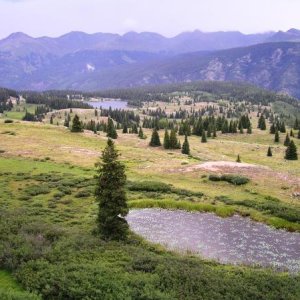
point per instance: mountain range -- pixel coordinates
(99, 61)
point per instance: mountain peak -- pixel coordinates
(17, 36)
(294, 31)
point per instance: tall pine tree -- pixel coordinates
(110, 195)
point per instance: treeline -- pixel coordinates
(233, 91)
(5, 94)
(54, 100)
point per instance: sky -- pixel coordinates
(168, 17)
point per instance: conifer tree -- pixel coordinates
(173, 140)
(203, 138)
(249, 129)
(166, 140)
(291, 133)
(238, 160)
(125, 128)
(141, 133)
(276, 139)
(76, 124)
(214, 132)
(185, 146)
(291, 152)
(272, 129)
(67, 122)
(155, 140)
(111, 130)
(51, 118)
(110, 195)
(298, 136)
(262, 123)
(269, 153)
(287, 140)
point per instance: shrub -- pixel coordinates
(82, 194)
(35, 190)
(7, 121)
(233, 179)
(149, 186)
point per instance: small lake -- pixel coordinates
(106, 104)
(234, 240)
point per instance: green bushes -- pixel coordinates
(233, 179)
(8, 294)
(35, 190)
(149, 186)
(8, 121)
(160, 187)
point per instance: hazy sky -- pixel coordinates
(168, 17)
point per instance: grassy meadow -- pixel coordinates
(48, 211)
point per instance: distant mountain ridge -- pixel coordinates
(131, 41)
(97, 61)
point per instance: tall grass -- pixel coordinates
(222, 211)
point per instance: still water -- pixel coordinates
(234, 240)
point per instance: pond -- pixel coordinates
(234, 240)
(106, 104)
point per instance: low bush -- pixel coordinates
(82, 194)
(233, 179)
(7, 121)
(35, 190)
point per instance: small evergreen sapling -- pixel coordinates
(185, 146)
(155, 140)
(269, 153)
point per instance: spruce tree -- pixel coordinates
(262, 123)
(76, 124)
(155, 140)
(291, 133)
(185, 146)
(110, 195)
(141, 133)
(111, 130)
(203, 138)
(166, 140)
(249, 129)
(298, 136)
(291, 152)
(287, 140)
(173, 140)
(51, 118)
(125, 128)
(269, 153)
(238, 160)
(276, 139)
